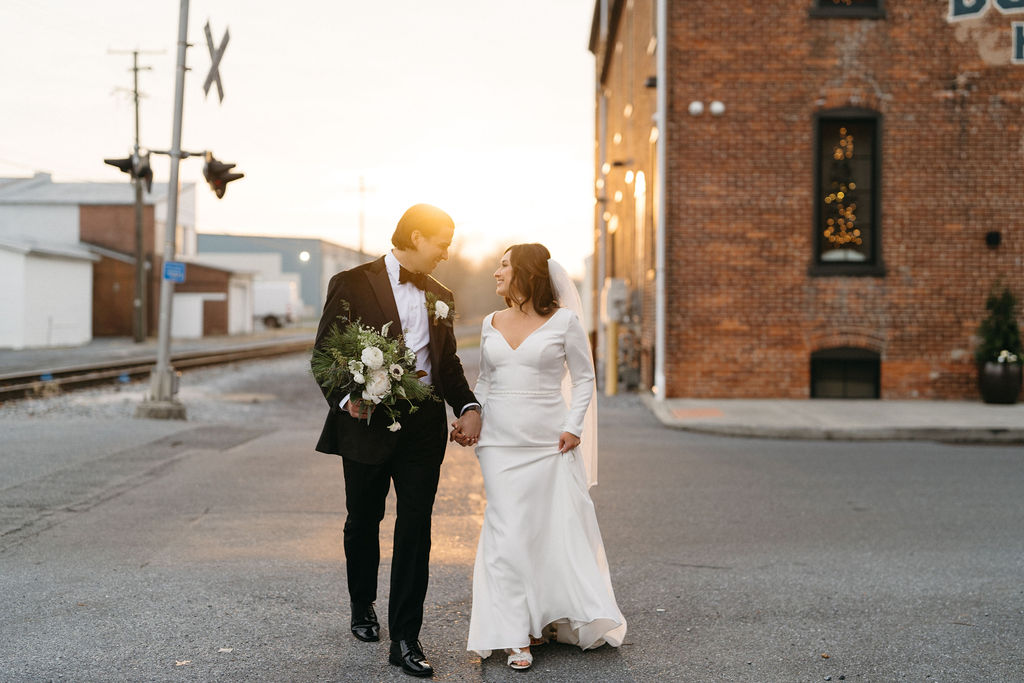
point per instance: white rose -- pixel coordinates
(440, 310)
(355, 366)
(378, 384)
(394, 426)
(358, 378)
(396, 371)
(373, 357)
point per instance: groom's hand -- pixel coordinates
(358, 409)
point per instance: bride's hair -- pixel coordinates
(530, 278)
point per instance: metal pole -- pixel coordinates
(660, 209)
(162, 403)
(139, 302)
(362, 212)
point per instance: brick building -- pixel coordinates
(807, 197)
(98, 219)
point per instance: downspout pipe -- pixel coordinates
(600, 271)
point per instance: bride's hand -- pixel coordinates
(567, 442)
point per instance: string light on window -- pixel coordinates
(841, 205)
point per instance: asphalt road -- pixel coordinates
(210, 550)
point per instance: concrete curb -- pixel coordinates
(730, 423)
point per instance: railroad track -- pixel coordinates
(48, 382)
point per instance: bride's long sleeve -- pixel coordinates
(483, 380)
(581, 370)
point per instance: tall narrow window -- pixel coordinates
(846, 211)
(863, 9)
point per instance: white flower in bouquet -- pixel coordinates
(377, 386)
(373, 357)
(440, 310)
(366, 363)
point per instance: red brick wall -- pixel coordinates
(113, 227)
(744, 314)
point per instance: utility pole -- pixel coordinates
(161, 402)
(139, 303)
(362, 190)
(139, 309)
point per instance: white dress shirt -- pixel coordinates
(412, 313)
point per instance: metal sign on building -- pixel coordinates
(174, 271)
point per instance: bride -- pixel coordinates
(540, 569)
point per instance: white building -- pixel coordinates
(46, 269)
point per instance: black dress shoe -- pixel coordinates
(364, 623)
(408, 654)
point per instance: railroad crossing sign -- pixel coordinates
(215, 57)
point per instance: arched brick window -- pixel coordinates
(845, 372)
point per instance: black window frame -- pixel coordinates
(824, 9)
(873, 267)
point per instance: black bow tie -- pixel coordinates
(417, 279)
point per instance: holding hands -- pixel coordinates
(466, 430)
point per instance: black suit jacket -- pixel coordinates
(371, 300)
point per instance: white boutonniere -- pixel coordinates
(440, 311)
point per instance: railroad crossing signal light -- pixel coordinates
(143, 171)
(218, 174)
(137, 166)
(124, 164)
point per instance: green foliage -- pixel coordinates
(370, 366)
(999, 331)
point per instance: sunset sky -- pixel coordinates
(484, 108)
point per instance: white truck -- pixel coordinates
(276, 302)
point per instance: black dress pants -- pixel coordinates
(415, 467)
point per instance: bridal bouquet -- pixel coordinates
(372, 367)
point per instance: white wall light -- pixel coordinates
(717, 108)
(696, 108)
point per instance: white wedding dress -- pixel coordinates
(540, 561)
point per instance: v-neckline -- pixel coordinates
(490, 321)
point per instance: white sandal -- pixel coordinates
(516, 656)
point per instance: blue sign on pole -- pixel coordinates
(174, 271)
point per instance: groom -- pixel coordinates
(394, 289)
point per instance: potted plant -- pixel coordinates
(999, 354)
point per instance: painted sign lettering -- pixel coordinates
(968, 9)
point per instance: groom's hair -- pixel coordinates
(530, 278)
(429, 220)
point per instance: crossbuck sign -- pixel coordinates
(215, 57)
